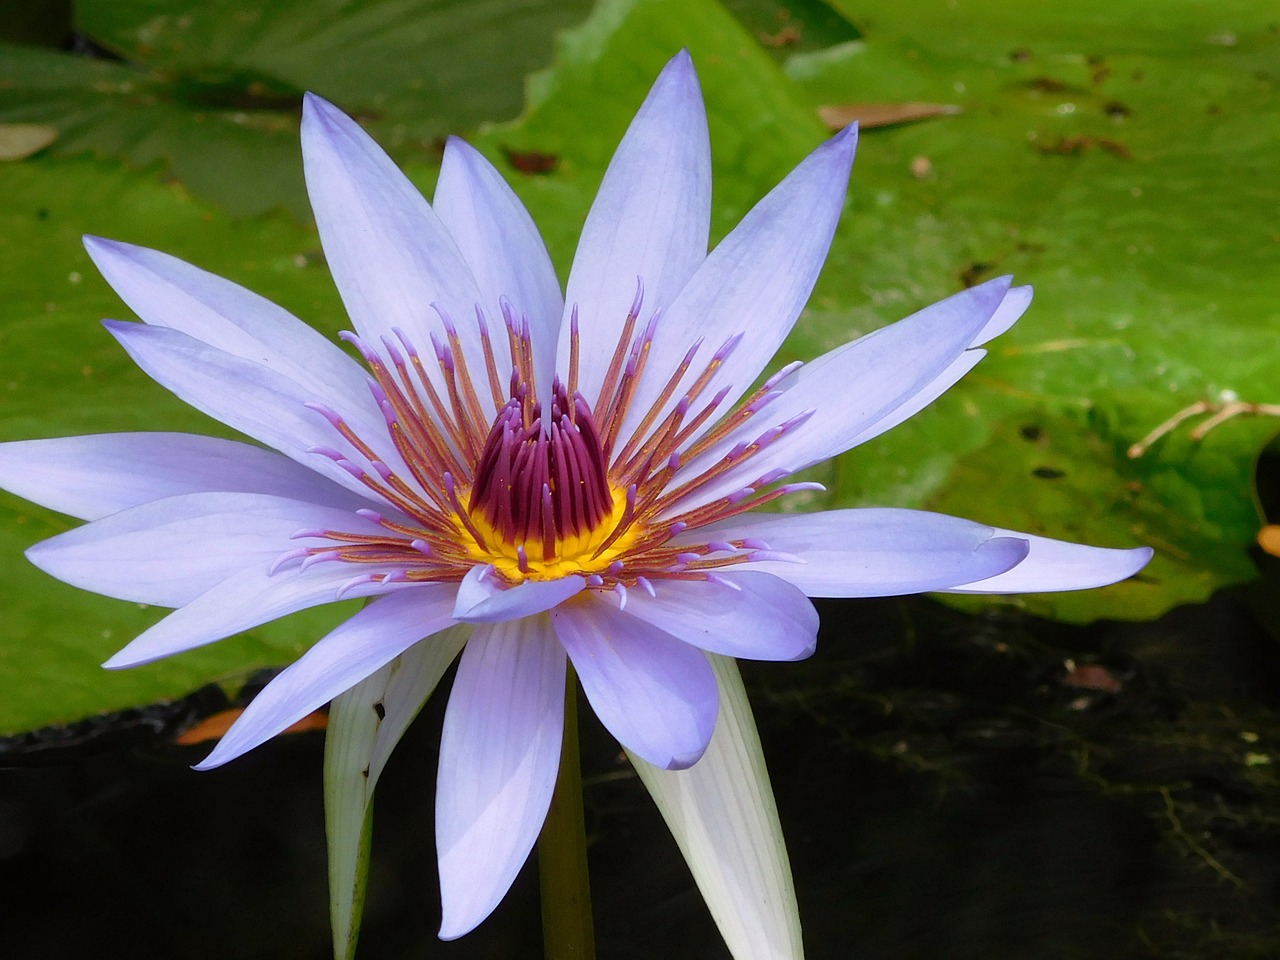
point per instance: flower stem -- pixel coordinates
(567, 931)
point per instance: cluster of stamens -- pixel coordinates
(547, 487)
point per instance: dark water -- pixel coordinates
(951, 787)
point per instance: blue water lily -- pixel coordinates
(531, 479)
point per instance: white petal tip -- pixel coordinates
(96, 245)
(844, 143)
(684, 761)
(805, 654)
(316, 109)
(458, 923)
(1113, 566)
(1057, 566)
(682, 62)
(121, 662)
(1141, 557)
(677, 82)
(455, 144)
(229, 748)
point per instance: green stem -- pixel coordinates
(567, 931)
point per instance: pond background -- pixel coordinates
(1089, 775)
(946, 789)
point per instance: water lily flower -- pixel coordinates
(532, 479)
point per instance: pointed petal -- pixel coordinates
(93, 476)
(656, 694)
(389, 254)
(251, 398)
(723, 817)
(847, 391)
(764, 618)
(245, 600)
(503, 248)
(365, 724)
(484, 598)
(930, 392)
(168, 552)
(369, 640)
(650, 221)
(1055, 565)
(874, 551)
(755, 282)
(1011, 308)
(167, 292)
(499, 754)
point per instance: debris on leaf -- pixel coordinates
(972, 274)
(532, 161)
(788, 36)
(214, 726)
(1091, 676)
(1069, 146)
(1219, 413)
(869, 115)
(20, 140)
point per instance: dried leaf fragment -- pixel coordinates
(20, 140)
(868, 115)
(532, 162)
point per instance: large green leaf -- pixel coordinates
(1129, 173)
(61, 374)
(212, 91)
(1122, 160)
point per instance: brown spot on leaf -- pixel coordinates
(1047, 85)
(788, 36)
(974, 272)
(1070, 146)
(532, 161)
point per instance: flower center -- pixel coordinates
(543, 488)
(541, 502)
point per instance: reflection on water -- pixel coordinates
(951, 786)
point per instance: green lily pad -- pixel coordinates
(209, 92)
(1089, 162)
(61, 374)
(20, 140)
(1129, 174)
